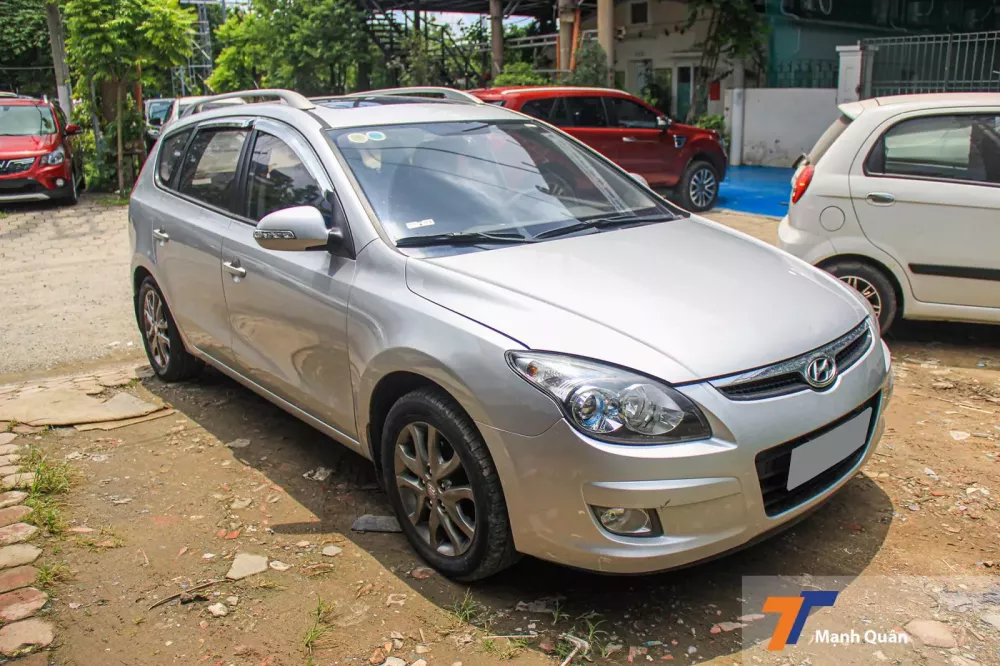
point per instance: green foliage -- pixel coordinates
(243, 55)
(24, 42)
(520, 74)
(713, 122)
(737, 32)
(591, 67)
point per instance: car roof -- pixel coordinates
(518, 90)
(899, 103)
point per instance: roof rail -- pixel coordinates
(289, 97)
(431, 92)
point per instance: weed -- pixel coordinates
(3, 214)
(562, 649)
(557, 614)
(50, 478)
(106, 539)
(592, 622)
(45, 514)
(52, 573)
(320, 626)
(468, 610)
(138, 621)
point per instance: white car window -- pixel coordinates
(951, 147)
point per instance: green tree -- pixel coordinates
(736, 32)
(24, 43)
(520, 74)
(591, 67)
(113, 40)
(242, 61)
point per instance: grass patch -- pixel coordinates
(504, 649)
(3, 214)
(45, 515)
(320, 627)
(468, 610)
(50, 478)
(105, 540)
(114, 200)
(49, 573)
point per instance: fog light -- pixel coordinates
(60, 182)
(626, 522)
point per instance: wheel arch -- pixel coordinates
(897, 286)
(702, 155)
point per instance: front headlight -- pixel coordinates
(54, 158)
(612, 404)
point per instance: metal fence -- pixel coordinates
(960, 62)
(803, 73)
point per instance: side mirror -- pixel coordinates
(663, 122)
(72, 129)
(294, 230)
(639, 179)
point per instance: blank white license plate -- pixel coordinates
(815, 457)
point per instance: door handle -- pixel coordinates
(234, 269)
(880, 199)
(160, 235)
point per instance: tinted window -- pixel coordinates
(61, 117)
(540, 108)
(585, 112)
(278, 179)
(953, 147)
(632, 115)
(209, 168)
(170, 155)
(639, 13)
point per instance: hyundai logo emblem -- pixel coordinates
(821, 372)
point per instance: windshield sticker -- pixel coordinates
(357, 137)
(419, 224)
(376, 136)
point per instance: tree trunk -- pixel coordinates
(118, 131)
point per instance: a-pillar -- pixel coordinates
(606, 34)
(496, 35)
(566, 17)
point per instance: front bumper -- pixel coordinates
(707, 495)
(40, 183)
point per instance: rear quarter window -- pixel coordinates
(170, 156)
(829, 137)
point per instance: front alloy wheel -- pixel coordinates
(434, 489)
(703, 188)
(866, 289)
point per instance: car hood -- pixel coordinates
(682, 300)
(12, 147)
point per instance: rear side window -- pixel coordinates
(585, 112)
(208, 172)
(170, 155)
(829, 137)
(540, 108)
(948, 147)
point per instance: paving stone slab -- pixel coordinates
(18, 555)
(11, 459)
(18, 577)
(18, 636)
(7, 470)
(20, 480)
(11, 498)
(16, 533)
(7, 449)
(20, 604)
(13, 514)
(247, 564)
(7, 437)
(69, 407)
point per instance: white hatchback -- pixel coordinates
(900, 198)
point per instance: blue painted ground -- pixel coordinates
(756, 189)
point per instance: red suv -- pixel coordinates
(36, 158)
(631, 133)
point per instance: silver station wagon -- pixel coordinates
(538, 354)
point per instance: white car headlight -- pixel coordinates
(612, 404)
(57, 156)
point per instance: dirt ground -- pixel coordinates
(171, 504)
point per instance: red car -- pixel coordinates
(36, 158)
(631, 133)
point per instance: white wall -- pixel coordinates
(779, 124)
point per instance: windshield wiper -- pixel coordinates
(463, 238)
(603, 223)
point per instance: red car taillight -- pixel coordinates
(802, 182)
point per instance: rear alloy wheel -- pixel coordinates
(444, 488)
(873, 286)
(164, 347)
(699, 187)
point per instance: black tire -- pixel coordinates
(492, 544)
(686, 193)
(176, 364)
(73, 197)
(864, 278)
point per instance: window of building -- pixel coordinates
(639, 13)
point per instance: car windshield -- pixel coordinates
(159, 110)
(26, 120)
(514, 177)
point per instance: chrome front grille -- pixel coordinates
(8, 167)
(789, 376)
